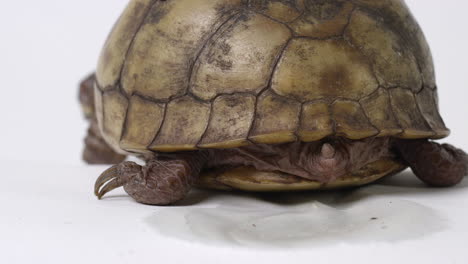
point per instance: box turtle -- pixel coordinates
(264, 95)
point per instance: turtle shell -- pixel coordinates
(250, 179)
(181, 75)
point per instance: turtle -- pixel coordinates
(264, 96)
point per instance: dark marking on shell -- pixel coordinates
(322, 9)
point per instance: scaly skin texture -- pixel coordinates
(435, 164)
(96, 150)
(159, 182)
(322, 161)
(167, 178)
(162, 181)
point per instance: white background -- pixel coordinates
(47, 212)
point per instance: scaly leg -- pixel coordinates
(96, 150)
(163, 181)
(435, 164)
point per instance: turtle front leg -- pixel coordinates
(163, 181)
(435, 164)
(96, 150)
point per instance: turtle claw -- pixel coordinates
(107, 182)
(159, 182)
(111, 185)
(115, 177)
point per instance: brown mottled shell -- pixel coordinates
(188, 74)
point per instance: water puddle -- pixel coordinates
(298, 220)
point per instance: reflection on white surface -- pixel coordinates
(50, 215)
(281, 220)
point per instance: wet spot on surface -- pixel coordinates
(299, 220)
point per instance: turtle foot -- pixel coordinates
(160, 182)
(435, 164)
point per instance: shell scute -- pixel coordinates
(115, 49)
(183, 126)
(429, 109)
(378, 109)
(393, 63)
(351, 121)
(408, 114)
(168, 43)
(323, 69)
(323, 19)
(237, 60)
(114, 106)
(316, 121)
(284, 11)
(232, 117)
(276, 119)
(138, 137)
(190, 74)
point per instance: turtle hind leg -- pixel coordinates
(162, 181)
(435, 164)
(96, 150)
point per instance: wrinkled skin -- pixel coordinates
(322, 161)
(167, 178)
(436, 165)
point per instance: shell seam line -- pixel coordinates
(234, 16)
(267, 87)
(352, 45)
(132, 42)
(274, 20)
(392, 108)
(299, 122)
(253, 123)
(124, 125)
(149, 98)
(210, 118)
(350, 15)
(418, 106)
(378, 131)
(166, 106)
(277, 61)
(212, 113)
(254, 118)
(103, 112)
(375, 93)
(368, 60)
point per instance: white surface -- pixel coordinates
(49, 215)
